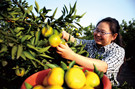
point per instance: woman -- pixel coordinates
(107, 43)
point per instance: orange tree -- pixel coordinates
(128, 30)
(23, 48)
(88, 32)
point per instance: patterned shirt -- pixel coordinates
(112, 54)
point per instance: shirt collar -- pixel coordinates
(108, 46)
(104, 47)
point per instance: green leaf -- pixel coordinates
(28, 55)
(32, 47)
(51, 65)
(19, 51)
(74, 7)
(14, 51)
(66, 8)
(19, 34)
(25, 37)
(42, 50)
(3, 48)
(81, 52)
(23, 56)
(71, 64)
(46, 56)
(37, 37)
(63, 12)
(28, 86)
(37, 6)
(70, 10)
(30, 8)
(101, 75)
(33, 53)
(54, 13)
(44, 10)
(83, 14)
(63, 65)
(96, 70)
(15, 19)
(32, 40)
(33, 15)
(34, 63)
(42, 42)
(82, 47)
(11, 39)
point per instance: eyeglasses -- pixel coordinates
(100, 32)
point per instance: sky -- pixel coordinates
(95, 9)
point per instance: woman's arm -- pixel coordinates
(67, 53)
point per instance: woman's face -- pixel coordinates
(103, 35)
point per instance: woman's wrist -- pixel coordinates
(72, 56)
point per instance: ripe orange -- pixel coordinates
(54, 40)
(47, 31)
(54, 77)
(45, 82)
(75, 78)
(92, 79)
(38, 87)
(54, 87)
(87, 87)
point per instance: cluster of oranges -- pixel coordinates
(73, 78)
(53, 35)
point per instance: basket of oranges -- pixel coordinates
(72, 77)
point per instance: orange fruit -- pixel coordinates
(54, 87)
(87, 87)
(75, 78)
(54, 77)
(54, 40)
(20, 72)
(92, 79)
(77, 34)
(38, 87)
(47, 31)
(45, 83)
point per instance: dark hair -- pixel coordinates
(115, 28)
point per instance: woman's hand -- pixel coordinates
(65, 51)
(66, 35)
(69, 54)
